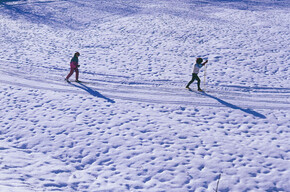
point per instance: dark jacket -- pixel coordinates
(74, 62)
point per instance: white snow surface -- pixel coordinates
(131, 125)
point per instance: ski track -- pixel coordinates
(165, 95)
(131, 125)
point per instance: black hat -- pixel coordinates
(199, 60)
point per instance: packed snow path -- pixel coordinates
(131, 125)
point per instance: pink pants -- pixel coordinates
(72, 69)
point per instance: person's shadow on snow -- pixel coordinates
(249, 111)
(92, 92)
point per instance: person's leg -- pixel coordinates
(77, 74)
(70, 73)
(198, 82)
(191, 81)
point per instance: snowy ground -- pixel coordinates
(131, 125)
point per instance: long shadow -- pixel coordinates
(249, 111)
(48, 12)
(31, 11)
(21, 11)
(92, 92)
(246, 4)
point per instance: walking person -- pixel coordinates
(74, 64)
(196, 69)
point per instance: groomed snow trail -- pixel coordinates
(131, 125)
(161, 92)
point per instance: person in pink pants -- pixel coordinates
(74, 64)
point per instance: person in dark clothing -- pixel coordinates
(74, 64)
(196, 69)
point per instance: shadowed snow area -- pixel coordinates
(130, 124)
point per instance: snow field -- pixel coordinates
(157, 145)
(131, 125)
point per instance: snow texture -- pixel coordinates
(131, 125)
